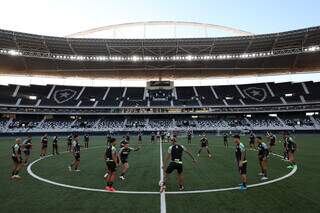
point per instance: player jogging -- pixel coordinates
(272, 139)
(139, 138)
(189, 137)
(76, 154)
(44, 145)
(152, 137)
(291, 147)
(123, 156)
(252, 139)
(27, 146)
(86, 141)
(241, 161)
(69, 143)
(204, 143)
(111, 159)
(55, 145)
(17, 159)
(175, 153)
(225, 140)
(263, 153)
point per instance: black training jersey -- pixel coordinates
(69, 139)
(55, 140)
(263, 150)
(124, 152)
(225, 137)
(272, 139)
(76, 147)
(176, 152)
(152, 137)
(27, 144)
(189, 135)
(110, 151)
(252, 137)
(239, 150)
(16, 148)
(291, 145)
(204, 141)
(44, 140)
(86, 138)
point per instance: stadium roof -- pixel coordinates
(277, 52)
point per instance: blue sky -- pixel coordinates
(62, 17)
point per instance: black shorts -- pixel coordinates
(44, 146)
(124, 160)
(204, 145)
(54, 145)
(251, 142)
(174, 166)
(27, 152)
(69, 143)
(272, 143)
(16, 160)
(77, 156)
(111, 166)
(243, 169)
(291, 150)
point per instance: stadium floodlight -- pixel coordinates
(273, 115)
(310, 113)
(248, 115)
(288, 95)
(14, 52)
(32, 97)
(92, 99)
(229, 98)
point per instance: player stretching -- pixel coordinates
(291, 147)
(55, 145)
(69, 142)
(111, 159)
(252, 140)
(263, 153)
(123, 156)
(17, 159)
(86, 141)
(175, 152)
(241, 161)
(204, 144)
(189, 137)
(44, 145)
(27, 146)
(272, 139)
(76, 154)
(225, 140)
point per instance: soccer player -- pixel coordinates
(44, 145)
(111, 159)
(241, 161)
(127, 137)
(55, 145)
(69, 143)
(158, 136)
(17, 159)
(123, 156)
(139, 138)
(204, 143)
(189, 136)
(168, 136)
(108, 137)
(86, 141)
(272, 139)
(27, 146)
(163, 135)
(291, 147)
(263, 153)
(175, 153)
(225, 139)
(76, 154)
(152, 137)
(123, 141)
(252, 140)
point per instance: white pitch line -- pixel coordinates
(163, 207)
(29, 170)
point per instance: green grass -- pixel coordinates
(298, 193)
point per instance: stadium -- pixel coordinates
(251, 101)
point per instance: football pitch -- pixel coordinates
(52, 188)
